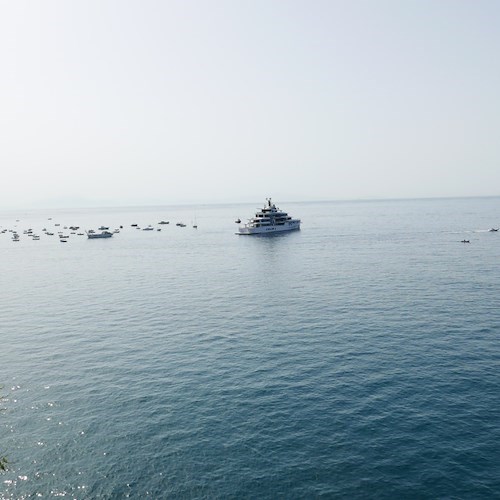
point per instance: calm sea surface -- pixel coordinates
(356, 358)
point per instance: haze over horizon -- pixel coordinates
(140, 103)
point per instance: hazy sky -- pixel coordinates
(158, 102)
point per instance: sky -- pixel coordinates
(144, 102)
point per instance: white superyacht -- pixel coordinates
(269, 219)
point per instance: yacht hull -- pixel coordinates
(93, 236)
(289, 226)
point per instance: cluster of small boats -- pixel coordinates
(101, 232)
(63, 238)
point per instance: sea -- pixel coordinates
(356, 358)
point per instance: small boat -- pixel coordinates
(133, 225)
(238, 221)
(164, 222)
(49, 234)
(149, 228)
(93, 235)
(465, 241)
(158, 229)
(103, 228)
(493, 230)
(63, 241)
(180, 224)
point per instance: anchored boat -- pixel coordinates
(105, 234)
(269, 219)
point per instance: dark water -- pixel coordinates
(357, 358)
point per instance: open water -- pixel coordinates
(356, 358)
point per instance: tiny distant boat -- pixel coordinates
(15, 237)
(238, 221)
(36, 237)
(103, 228)
(64, 236)
(57, 224)
(49, 234)
(133, 225)
(158, 229)
(116, 231)
(80, 234)
(63, 241)
(269, 220)
(465, 241)
(493, 230)
(94, 235)
(149, 228)
(164, 222)
(180, 224)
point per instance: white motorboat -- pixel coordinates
(269, 219)
(104, 234)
